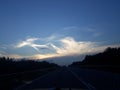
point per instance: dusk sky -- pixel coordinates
(41, 29)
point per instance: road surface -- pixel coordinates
(99, 79)
(75, 78)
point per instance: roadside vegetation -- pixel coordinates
(109, 60)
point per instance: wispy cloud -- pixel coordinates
(71, 28)
(50, 38)
(71, 47)
(66, 46)
(94, 31)
(30, 42)
(2, 52)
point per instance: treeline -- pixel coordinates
(109, 60)
(9, 65)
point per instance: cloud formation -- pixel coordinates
(71, 47)
(65, 47)
(30, 42)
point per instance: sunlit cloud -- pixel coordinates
(67, 46)
(62, 47)
(71, 47)
(30, 42)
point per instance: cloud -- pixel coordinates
(71, 28)
(71, 47)
(52, 37)
(30, 42)
(66, 46)
(91, 30)
(56, 48)
(96, 32)
(2, 52)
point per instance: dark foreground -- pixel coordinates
(76, 79)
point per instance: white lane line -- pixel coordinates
(88, 85)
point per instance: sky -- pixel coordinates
(45, 29)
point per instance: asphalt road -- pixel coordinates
(100, 80)
(75, 78)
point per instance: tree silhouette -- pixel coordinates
(10, 65)
(111, 56)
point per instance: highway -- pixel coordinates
(85, 79)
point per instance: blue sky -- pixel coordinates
(49, 27)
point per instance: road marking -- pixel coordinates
(88, 85)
